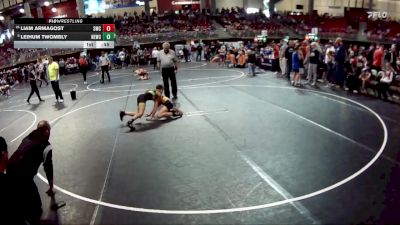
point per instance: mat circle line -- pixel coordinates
(237, 209)
(231, 78)
(30, 126)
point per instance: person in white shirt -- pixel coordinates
(329, 62)
(282, 59)
(168, 63)
(104, 63)
(154, 55)
(46, 65)
(385, 81)
(122, 56)
(41, 70)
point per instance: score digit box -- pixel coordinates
(108, 28)
(108, 36)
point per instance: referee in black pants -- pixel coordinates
(168, 63)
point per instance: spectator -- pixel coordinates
(391, 56)
(364, 77)
(282, 59)
(111, 60)
(297, 58)
(397, 68)
(222, 55)
(288, 56)
(251, 63)
(22, 167)
(4, 88)
(340, 58)
(313, 64)
(167, 62)
(207, 54)
(232, 59)
(54, 76)
(41, 72)
(154, 55)
(83, 67)
(378, 56)
(62, 67)
(275, 58)
(241, 59)
(122, 56)
(186, 53)
(213, 48)
(387, 78)
(370, 54)
(329, 62)
(199, 52)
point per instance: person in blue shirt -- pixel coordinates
(297, 58)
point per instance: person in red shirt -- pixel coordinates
(378, 56)
(83, 67)
(275, 62)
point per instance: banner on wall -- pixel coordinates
(168, 5)
(185, 2)
(100, 6)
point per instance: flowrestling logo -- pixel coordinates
(377, 15)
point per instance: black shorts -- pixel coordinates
(169, 105)
(295, 70)
(141, 99)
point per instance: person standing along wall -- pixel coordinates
(83, 67)
(54, 76)
(288, 56)
(41, 70)
(62, 67)
(282, 59)
(251, 63)
(168, 63)
(313, 63)
(340, 58)
(154, 55)
(199, 49)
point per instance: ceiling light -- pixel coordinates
(46, 3)
(1, 17)
(21, 10)
(53, 9)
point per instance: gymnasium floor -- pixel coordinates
(247, 151)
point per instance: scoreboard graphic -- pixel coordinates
(87, 33)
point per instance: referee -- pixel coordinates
(167, 62)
